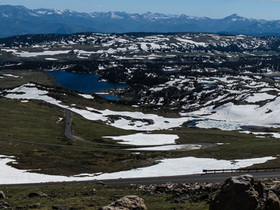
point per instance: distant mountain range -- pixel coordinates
(18, 20)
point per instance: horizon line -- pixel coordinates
(141, 13)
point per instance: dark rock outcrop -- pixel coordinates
(243, 193)
(131, 202)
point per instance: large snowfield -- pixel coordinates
(166, 167)
(266, 115)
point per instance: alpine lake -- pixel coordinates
(85, 83)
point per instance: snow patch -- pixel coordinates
(259, 97)
(87, 96)
(222, 125)
(184, 147)
(145, 139)
(35, 54)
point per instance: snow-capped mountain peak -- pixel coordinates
(235, 17)
(27, 21)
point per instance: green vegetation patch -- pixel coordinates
(31, 121)
(23, 77)
(7, 56)
(68, 161)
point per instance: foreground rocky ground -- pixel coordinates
(242, 192)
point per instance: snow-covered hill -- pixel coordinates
(136, 45)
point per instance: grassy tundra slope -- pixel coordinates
(33, 132)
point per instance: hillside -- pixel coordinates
(206, 101)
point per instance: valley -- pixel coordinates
(208, 101)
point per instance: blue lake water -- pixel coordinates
(85, 83)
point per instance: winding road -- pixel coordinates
(134, 148)
(68, 127)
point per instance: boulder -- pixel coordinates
(35, 206)
(243, 193)
(131, 202)
(272, 201)
(2, 195)
(60, 207)
(37, 194)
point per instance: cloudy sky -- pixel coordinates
(260, 9)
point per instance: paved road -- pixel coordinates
(68, 127)
(68, 124)
(200, 178)
(197, 178)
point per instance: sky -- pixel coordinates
(259, 9)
